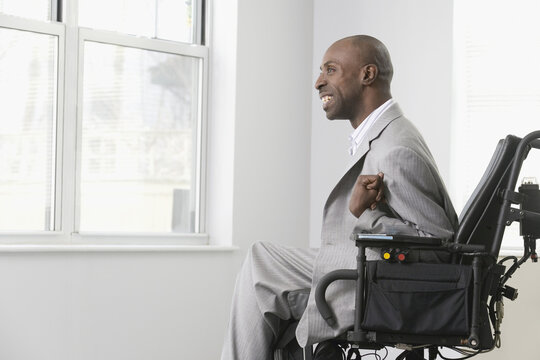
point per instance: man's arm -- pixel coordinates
(415, 201)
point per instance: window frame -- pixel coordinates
(57, 30)
(68, 132)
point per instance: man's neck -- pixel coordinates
(369, 108)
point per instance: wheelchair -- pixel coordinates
(424, 307)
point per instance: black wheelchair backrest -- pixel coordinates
(478, 220)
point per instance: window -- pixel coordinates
(103, 133)
(496, 92)
(29, 78)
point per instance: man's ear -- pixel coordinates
(369, 73)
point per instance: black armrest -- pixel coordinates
(382, 240)
(420, 242)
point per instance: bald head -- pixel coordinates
(370, 50)
(355, 78)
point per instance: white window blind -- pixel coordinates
(28, 89)
(497, 89)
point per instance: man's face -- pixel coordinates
(339, 85)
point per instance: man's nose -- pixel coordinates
(320, 81)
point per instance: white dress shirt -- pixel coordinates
(360, 132)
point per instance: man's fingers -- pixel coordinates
(375, 183)
(372, 182)
(370, 178)
(367, 179)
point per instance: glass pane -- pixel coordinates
(28, 70)
(138, 140)
(163, 19)
(32, 9)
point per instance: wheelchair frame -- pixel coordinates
(484, 263)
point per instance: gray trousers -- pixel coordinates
(260, 311)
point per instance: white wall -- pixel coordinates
(103, 305)
(271, 183)
(174, 305)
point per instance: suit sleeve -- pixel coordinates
(415, 198)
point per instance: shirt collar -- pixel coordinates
(356, 137)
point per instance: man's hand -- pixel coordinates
(367, 192)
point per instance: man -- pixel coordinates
(354, 84)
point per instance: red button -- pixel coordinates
(401, 257)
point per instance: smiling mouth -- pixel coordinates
(325, 99)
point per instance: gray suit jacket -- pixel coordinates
(417, 204)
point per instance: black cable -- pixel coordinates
(377, 356)
(403, 355)
(386, 355)
(493, 315)
(517, 264)
(461, 358)
(492, 312)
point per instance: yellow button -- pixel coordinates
(386, 256)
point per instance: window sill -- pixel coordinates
(7, 248)
(57, 241)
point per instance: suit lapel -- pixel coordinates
(392, 113)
